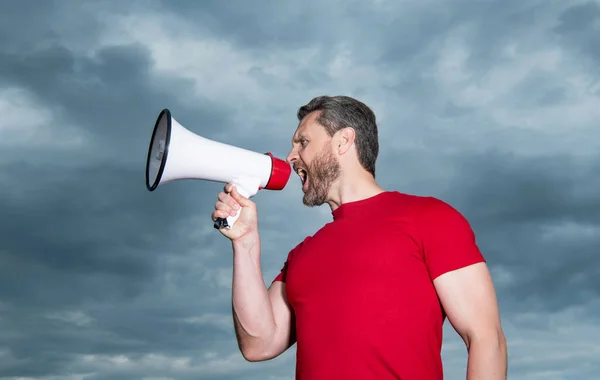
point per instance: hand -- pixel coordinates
(230, 202)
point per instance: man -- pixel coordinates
(366, 296)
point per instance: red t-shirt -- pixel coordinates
(362, 293)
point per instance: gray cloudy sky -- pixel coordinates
(492, 106)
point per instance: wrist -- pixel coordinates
(249, 242)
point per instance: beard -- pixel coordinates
(322, 172)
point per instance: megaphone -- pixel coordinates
(176, 153)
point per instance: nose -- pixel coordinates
(292, 156)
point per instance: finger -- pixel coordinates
(220, 206)
(220, 214)
(228, 199)
(239, 198)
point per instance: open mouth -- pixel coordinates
(302, 174)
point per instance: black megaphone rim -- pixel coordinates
(151, 187)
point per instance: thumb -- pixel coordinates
(239, 198)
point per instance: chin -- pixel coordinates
(312, 202)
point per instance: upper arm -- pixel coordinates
(284, 320)
(469, 301)
(283, 313)
(458, 270)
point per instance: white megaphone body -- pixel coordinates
(176, 153)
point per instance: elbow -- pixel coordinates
(498, 344)
(255, 349)
(493, 339)
(502, 343)
(499, 339)
(250, 358)
(254, 357)
(254, 354)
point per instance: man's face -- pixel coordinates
(313, 160)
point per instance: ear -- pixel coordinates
(345, 140)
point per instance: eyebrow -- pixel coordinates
(298, 138)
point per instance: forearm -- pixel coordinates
(252, 311)
(487, 358)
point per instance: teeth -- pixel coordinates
(302, 174)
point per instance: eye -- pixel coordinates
(303, 142)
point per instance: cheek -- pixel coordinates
(303, 155)
(307, 158)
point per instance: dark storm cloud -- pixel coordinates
(78, 223)
(273, 24)
(37, 15)
(111, 96)
(81, 232)
(89, 240)
(511, 190)
(97, 248)
(577, 28)
(88, 217)
(413, 42)
(539, 217)
(536, 217)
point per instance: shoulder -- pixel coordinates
(432, 206)
(423, 207)
(405, 202)
(444, 230)
(430, 214)
(429, 209)
(446, 238)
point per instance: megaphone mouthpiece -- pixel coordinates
(280, 173)
(176, 153)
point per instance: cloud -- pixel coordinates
(492, 106)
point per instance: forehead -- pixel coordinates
(308, 127)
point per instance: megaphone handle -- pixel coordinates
(227, 222)
(231, 219)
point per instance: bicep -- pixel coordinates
(469, 301)
(284, 319)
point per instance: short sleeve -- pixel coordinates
(283, 274)
(447, 239)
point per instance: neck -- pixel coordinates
(353, 187)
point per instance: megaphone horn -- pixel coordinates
(176, 153)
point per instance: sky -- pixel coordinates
(491, 106)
